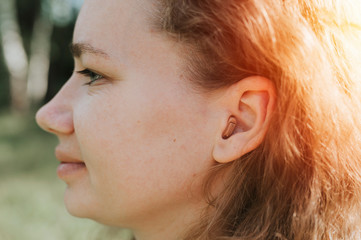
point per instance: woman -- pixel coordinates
(213, 119)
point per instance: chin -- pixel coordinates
(82, 205)
(77, 203)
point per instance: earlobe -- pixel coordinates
(249, 105)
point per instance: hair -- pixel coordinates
(304, 180)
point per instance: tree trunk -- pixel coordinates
(39, 59)
(14, 54)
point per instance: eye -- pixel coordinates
(91, 75)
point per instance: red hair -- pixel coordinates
(304, 180)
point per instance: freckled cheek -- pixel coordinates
(135, 139)
(110, 138)
(122, 168)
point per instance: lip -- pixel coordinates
(66, 158)
(70, 168)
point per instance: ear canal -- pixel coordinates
(231, 125)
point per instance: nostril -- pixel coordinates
(51, 130)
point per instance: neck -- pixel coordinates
(169, 225)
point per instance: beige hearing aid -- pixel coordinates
(231, 125)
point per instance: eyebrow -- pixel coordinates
(78, 49)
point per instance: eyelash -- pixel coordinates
(90, 74)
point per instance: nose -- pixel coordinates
(56, 116)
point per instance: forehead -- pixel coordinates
(110, 24)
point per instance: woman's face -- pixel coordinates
(142, 132)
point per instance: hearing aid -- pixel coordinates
(231, 125)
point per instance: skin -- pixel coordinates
(146, 136)
(141, 131)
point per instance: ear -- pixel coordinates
(251, 102)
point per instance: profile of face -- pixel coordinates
(133, 120)
(135, 137)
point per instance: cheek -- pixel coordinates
(141, 150)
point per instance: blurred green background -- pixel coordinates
(34, 63)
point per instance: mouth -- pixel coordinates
(69, 167)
